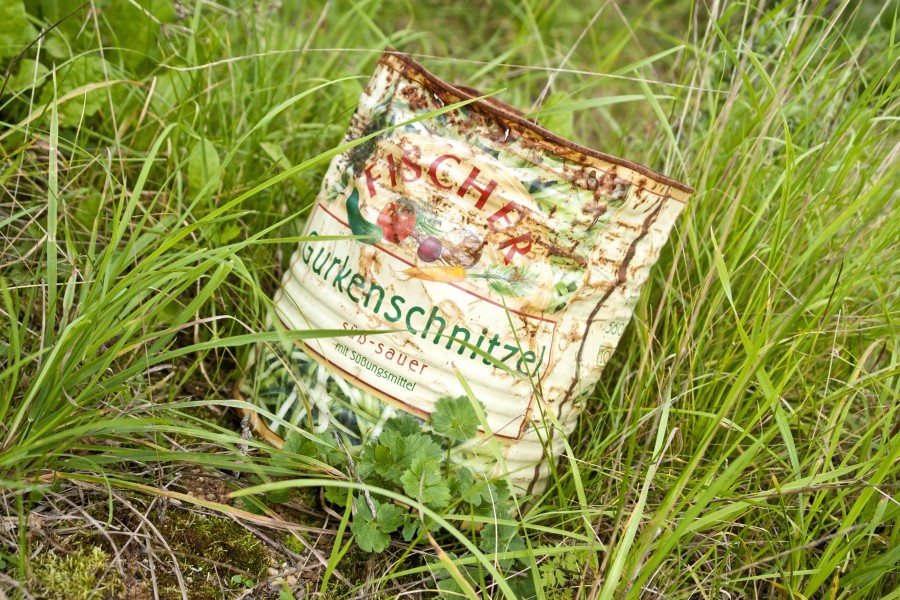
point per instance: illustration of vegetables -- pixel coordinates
(440, 274)
(508, 280)
(426, 221)
(358, 224)
(461, 248)
(429, 249)
(398, 220)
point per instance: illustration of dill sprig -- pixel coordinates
(508, 280)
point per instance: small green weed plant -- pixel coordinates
(421, 464)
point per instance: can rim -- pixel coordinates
(510, 114)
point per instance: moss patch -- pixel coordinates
(201, 542)
(293, 544)
(85, 573)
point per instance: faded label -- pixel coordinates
(454, 256)
(501, 257)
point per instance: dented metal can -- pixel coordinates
(505, 259)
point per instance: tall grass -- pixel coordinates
(744, 439)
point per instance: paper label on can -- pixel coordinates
(504, 260)
(454, 262)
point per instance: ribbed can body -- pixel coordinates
(501, 262)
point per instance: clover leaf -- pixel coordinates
(390, 517)
(369, 536)
(404, 425)
(393, 453)
(455, 418)
(372, 534)
(497, 538)
(424, 481)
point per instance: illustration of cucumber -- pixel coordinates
(358, 223)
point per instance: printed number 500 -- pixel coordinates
(615, 328)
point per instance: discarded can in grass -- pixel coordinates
(508, 258)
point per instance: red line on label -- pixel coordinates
(460, 288)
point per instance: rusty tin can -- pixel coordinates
(509, 258)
